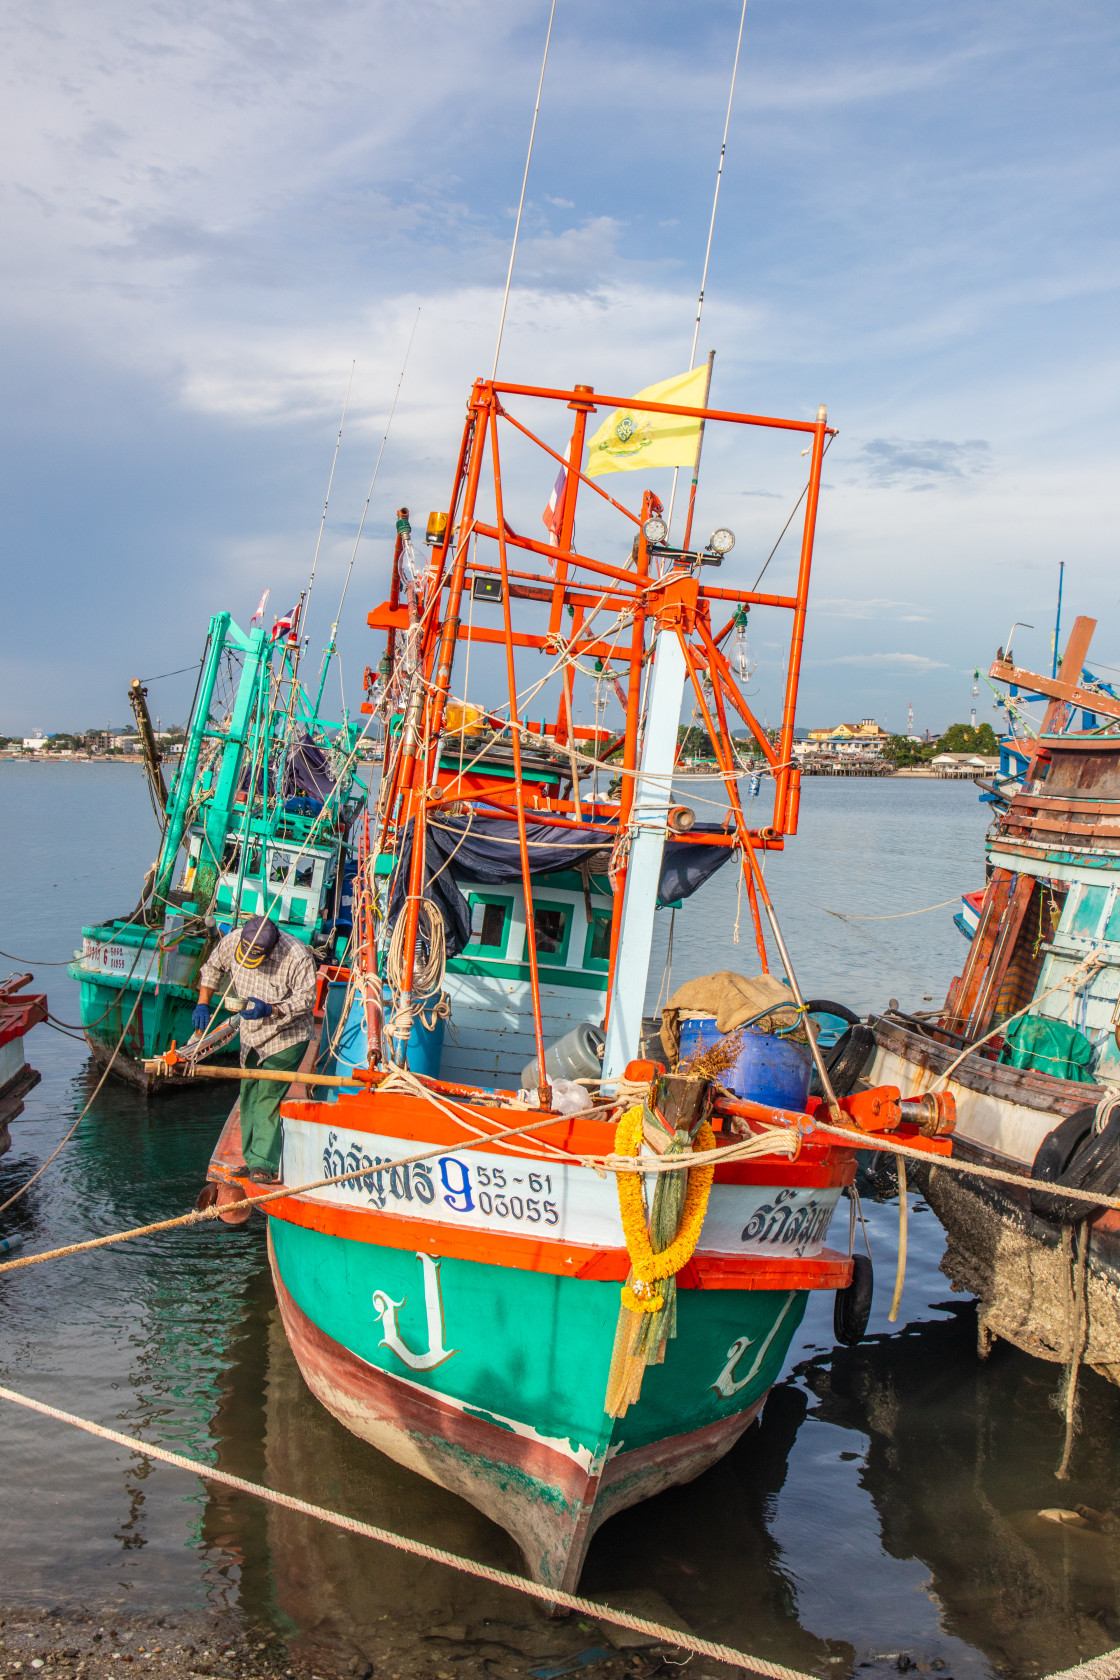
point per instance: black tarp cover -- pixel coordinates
(484, 851)
(307, 773)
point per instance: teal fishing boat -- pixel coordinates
(551, 1269)
(258, 818)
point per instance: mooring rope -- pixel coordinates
(433, 1554)
(1105, 1667)
(865, 1140)
(764, 1143)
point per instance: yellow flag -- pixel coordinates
(631, 440)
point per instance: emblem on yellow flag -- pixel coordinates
(632, 438)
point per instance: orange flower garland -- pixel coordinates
(649, 1269)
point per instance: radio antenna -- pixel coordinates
(521, 201)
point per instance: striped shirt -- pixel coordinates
(285, 979)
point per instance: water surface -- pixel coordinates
(887, 1503)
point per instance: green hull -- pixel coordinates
(126, 1028)
(491, 1380)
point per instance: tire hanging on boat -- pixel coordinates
(1077, 1155)
(852, 1307)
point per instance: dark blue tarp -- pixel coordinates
(308, 772)
(484, 851)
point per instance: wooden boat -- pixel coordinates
(19, 1012)
(257, 819)
(456, 1301)
(1043, 965)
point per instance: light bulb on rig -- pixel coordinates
(745, 656)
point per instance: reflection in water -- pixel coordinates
(885, 1503)
(959, 1460)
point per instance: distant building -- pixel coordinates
(964, 764)
(35, 743)
(846, 738)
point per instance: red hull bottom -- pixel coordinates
(549, 1503)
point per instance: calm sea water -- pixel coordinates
(888, 1502)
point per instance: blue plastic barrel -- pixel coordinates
(769, 1069)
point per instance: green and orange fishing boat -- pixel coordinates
(258, 817)
(550, 1273)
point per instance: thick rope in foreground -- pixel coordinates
(1104, 1667)
(417, 1548)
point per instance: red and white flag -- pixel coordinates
(287, 625)
(553, 516)
(260, 610)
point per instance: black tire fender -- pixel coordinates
(847, 1059)
(852, 1307)
(825, 1006)
(1054, 1157)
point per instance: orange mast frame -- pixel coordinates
(656, 587)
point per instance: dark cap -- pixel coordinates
(258, 938)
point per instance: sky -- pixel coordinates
(212, 213)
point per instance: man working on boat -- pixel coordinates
(275, 976)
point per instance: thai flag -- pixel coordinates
(553, 515)
(286, 626)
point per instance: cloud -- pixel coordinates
(560, 203)
(923, 463)
(867, 606)
(915, 662)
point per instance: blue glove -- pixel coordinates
(200, 1020)
(254, 1009)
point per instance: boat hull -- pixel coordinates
(126, 1031)
(490, 1381)
(1018, 1265)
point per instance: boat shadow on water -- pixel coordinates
(703, 1547)
(959, 1462)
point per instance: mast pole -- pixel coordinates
(1058, 621)
(515, 741)
(630, 745)
(699, 447)
(184, 781)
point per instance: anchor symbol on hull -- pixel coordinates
(727, 1383)
(386, 1309)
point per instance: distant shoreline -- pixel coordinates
(120, 758)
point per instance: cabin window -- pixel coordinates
(490, 919)
(1087, 914)
(551, 930)
(1112, 929)
(597, 951)
(302, 870)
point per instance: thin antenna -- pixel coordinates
(712, 225)
(521, 201)
(330, 482)
(715, 197)
(330, 647)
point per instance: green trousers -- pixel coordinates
(261, 1130)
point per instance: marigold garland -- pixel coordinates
(649, 1269)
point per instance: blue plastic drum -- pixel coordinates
(769, 1069)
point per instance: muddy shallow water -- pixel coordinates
(884, 1510)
